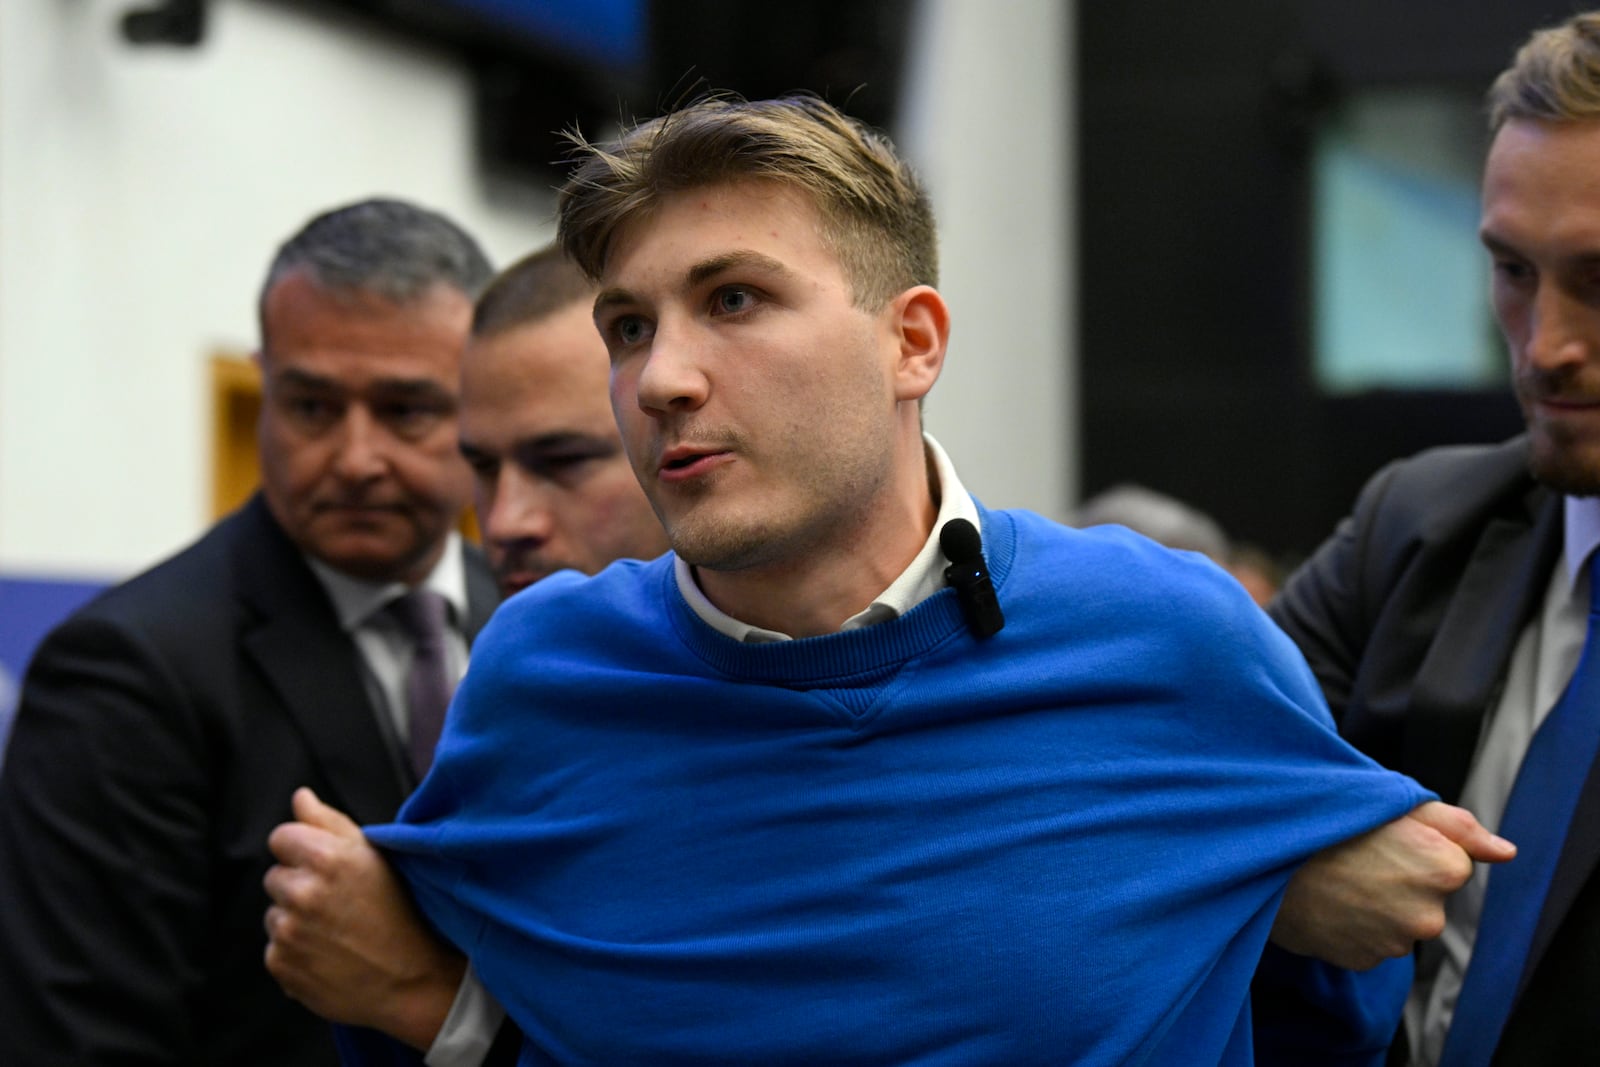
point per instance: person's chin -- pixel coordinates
(515, 579)
(1569, 465)
(511, 585)
(370, 554)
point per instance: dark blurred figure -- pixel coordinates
(1169, 521)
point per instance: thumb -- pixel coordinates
(309, 809)
(1463, 828)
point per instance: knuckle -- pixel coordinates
(283, 929)
(300, 893)
(1454, 871)
(1425, 927)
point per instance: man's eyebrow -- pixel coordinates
(560, 439)
(555, 440)
(410, 387)
(1496, 244)
(698, 274)
(710, 268)
(609, 298)
(301, 379)
(391, 388)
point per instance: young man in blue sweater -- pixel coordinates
(825, 785)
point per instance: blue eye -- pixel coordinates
(732, 299)
(630, 329)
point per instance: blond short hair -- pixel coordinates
(1554, 77)
(875, 214)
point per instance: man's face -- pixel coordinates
(553, 487)
(359, 461)
(1541, 224)
(756, 402)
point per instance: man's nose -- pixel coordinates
(673, 377)
(520, 510)
(362, 456)
(1560, 330)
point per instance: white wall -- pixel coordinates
(987, 119)
(142, 191)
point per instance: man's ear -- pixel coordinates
(921, 323)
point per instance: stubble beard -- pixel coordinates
(1567, 465)
(753, 535)
(1560, 455)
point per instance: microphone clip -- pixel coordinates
(969, 576)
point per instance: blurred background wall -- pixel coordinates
(154, 152)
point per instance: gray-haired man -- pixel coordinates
(162, 729)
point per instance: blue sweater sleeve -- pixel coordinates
(1313, 1014)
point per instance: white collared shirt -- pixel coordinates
(920, 580)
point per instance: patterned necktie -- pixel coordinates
(421, 613)
(1536, 818)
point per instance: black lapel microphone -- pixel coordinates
(969, 575)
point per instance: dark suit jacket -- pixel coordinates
(160, 734)
(1408, 616)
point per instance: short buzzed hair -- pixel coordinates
(389, 248)
(533, 288)
(1555, 76)
(876, 218)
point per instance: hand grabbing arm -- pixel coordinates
(345, 939)
(1372, 897)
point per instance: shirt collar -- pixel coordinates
(920, 580)
(356, 600)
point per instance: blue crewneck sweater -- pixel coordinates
(894, 845)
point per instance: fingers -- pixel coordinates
(292, 888)
(1462, 828)
(309, 808)
(307, 842)
(281, 959)
(297, 844)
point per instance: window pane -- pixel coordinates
(1400, 282)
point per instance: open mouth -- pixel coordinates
(678, 463)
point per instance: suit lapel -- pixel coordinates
(1466, 663)
(297, 642)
